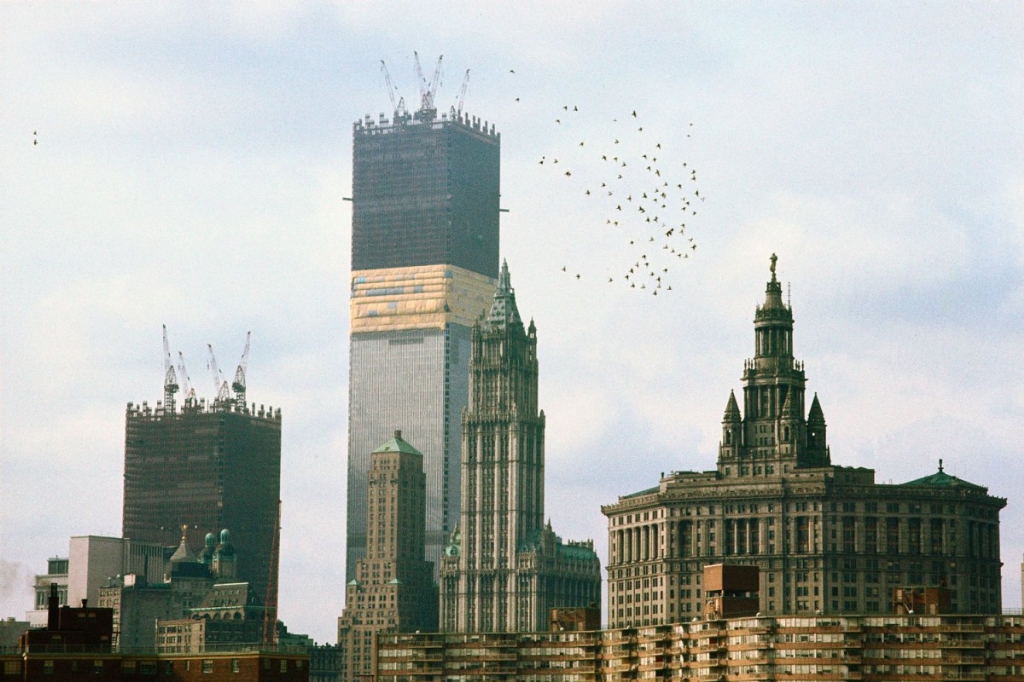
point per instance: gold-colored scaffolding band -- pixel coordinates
(417, 297)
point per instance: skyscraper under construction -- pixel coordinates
(207, 467)
(424, 264)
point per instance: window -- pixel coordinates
(14, 667)
(235, 665)
(284, 665)
(207, 665)
(97, 667)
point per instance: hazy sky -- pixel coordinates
(191, 167)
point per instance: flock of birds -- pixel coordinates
(644, 197)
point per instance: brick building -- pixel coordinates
(879, 648)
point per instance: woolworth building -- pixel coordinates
(827, 538)
(504, 568)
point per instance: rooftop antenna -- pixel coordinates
(427, 90)
(170, 379)
(399, 107)
(239, 383)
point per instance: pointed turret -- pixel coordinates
(503, 312)
(732, 427)
(183, 553)
(816, 415)
(817, 444)
(732, 410)
(789, 428)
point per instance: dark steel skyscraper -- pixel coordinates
(424, 264)
(208, 467)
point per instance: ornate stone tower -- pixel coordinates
(503, 568)
(393, 590)
(772, 436)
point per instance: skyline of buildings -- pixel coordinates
(425, 240)
(771, 435)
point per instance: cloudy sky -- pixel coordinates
(185, 164)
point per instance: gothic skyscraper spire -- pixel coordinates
(504, 568)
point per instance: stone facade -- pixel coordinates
(827, 538)
(394, 589)
(504, 568)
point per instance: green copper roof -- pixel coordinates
(577, 552)
(398, 444)
(943, 480)
(642, 492)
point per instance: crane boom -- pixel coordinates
(220, 385)
(239, 382)
(170, 379)
(420, 79)
(186, 388)
(399, 107)
(435, 81)
(462, 93)
(427, 90)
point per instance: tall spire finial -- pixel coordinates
(503, 310)
(504, 280)
(772, 268)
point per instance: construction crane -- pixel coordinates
(399, 107)
(186, 388)
(220, 385)
(238, 385)
(270, 599)
(170, 379)
(462, 95)
(427, 90)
